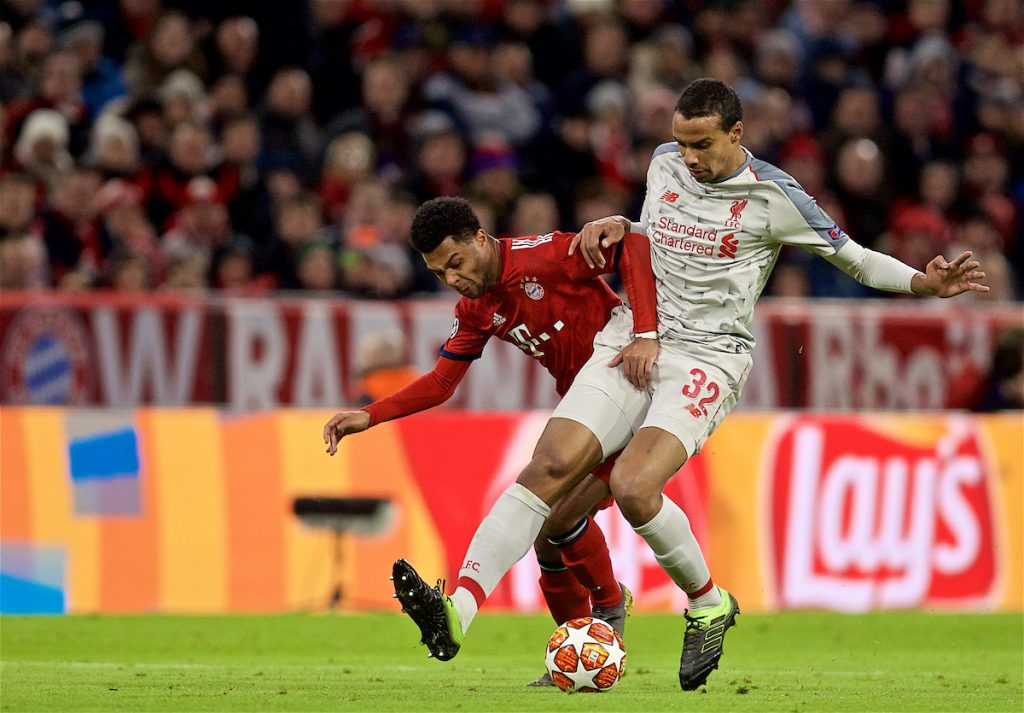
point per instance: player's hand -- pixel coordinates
(589, 240)
(343, 424)
(637, 359)
(949, 279)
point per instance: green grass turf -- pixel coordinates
(787, 662)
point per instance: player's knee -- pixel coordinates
(546, 468)
(635, 495)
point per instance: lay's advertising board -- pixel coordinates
(191, 510)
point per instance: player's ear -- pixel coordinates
(480, 237)
(736, 132)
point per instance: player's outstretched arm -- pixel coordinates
(949, 279)
(343, 424)
(599, 234)
(429, 390)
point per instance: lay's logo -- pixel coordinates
(860, 519)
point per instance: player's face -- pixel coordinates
(709, 151)
(463, 265)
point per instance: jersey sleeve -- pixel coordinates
(468, 337)
(638, 279)
(431, 389)
(797, 219)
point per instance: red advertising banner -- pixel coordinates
(254, 354)
(103, 510)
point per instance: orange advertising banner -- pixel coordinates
(193, 510)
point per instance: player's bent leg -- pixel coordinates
(637, 481)
(566, 451)
(565, 596)
(585, 551)
(430, 609)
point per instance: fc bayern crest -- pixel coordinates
(534, 290)
(45, 358)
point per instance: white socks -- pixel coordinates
(501, 540)
(678, 553)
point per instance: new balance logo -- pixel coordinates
(669, 197)
(728, 246)
(498, 320)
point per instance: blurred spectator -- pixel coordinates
(114, 148)
(126, 229)
(383, 115)
(71, 230)
(288, 129)
(42, 147)
(297, 224)
(17, 204)
(83, 35)
(22, 263)
(534, 214)
(383, 367)
(1004, 389)
(349, 159)
(187, 272)
(129, 272)
(531, 108)
(60, 89)
(495, 183)
(481, 103)
(202, 224)
(440, 159)
(191, 154)
(234, 266)
(171, 46)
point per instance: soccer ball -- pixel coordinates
(586, 655)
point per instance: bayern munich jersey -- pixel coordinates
(547, 303)
(713, 245)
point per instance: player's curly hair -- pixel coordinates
(710, 97)
(439, 218)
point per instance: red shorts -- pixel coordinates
(604, 472)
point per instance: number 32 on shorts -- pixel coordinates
(700, 385)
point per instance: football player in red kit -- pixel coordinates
(527, 291)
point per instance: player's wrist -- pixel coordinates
(653, 334)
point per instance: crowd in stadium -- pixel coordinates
(187, 144)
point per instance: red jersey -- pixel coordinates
(547, 303)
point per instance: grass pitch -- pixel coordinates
(788, 662)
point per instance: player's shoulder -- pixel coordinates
(538, 243)
(666, 149)
(539, 250)
(771, 174)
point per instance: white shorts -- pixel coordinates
(692, 390)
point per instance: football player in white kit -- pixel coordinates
(716, 218)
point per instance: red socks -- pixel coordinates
(565, 596)
(585, 553)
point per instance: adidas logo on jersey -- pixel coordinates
(498, 320)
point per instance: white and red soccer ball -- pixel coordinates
(585, 655)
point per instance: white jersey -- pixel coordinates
(713, 245)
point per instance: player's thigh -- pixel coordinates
(604, 402)
(576, 504)
(694, 390)
(565, 452)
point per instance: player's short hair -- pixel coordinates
(710, 97)
(439, 218)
